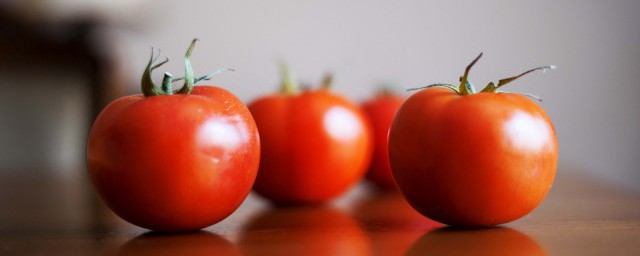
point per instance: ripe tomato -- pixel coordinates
(315, 145)
(473, 159)
(381, 111)
(174, 162)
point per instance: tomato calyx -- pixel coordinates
(151, 89)
(466, 88)
(290, 86)
(385, 91)
(491, 87)
(327, 82)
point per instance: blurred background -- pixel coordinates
(61, 61)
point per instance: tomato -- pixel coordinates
(315, 145)
(381, 111)
(473, 159)
(174, 162)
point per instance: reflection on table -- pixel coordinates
(44, 215)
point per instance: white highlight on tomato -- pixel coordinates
(341, 123)
(222, 134)
(527, 132)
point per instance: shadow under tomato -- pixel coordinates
(197, 243)
(316, 230)
(390, 222)
(485, 241)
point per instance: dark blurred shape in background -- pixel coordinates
(56, 76)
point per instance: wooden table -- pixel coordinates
(62, 216)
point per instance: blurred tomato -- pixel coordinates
(381, 111)
(315, 144)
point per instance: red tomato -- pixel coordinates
(381, 111)
(174, 162)
(315, 145)
(472, 159)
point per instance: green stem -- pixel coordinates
(148, 87)
(504, 81)
(188, 73)
(385, 90)
(289, 86)
(448, 86)
(166, 83)
(464, 87)
(206, 77)
(151, 89)
(491, 87)
(327, 81)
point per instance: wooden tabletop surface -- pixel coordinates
(43, 215)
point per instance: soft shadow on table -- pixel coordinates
(318, 230)
(198, 243)
(484, 241)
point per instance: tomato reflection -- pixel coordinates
(303, 231)
(199, 243)
(490, 241)
(391, 223)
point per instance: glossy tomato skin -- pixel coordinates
(315, 146)
(380, 111)
(174, 162)
(475, 160)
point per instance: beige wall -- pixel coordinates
(592, 97)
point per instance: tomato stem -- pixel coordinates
(385, 89)
(148, 87)
(448, 86)
(166, 83)
(491, 87)
(289, 86)
(465, 87)
(206, 77)
(189, 79)
(327, 81)
(469, 86)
